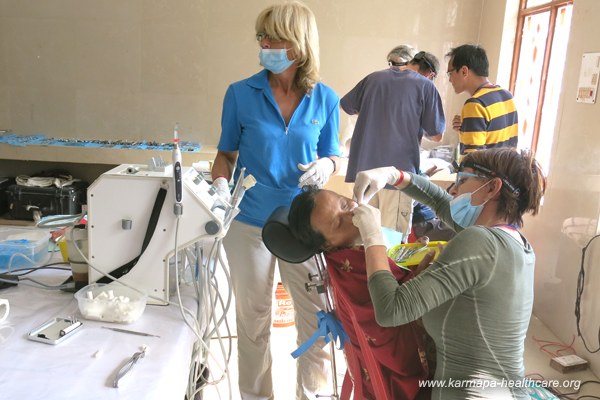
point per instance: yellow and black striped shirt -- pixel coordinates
(489, 119)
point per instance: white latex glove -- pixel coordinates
(368, 221)
(221, 187)
(317, 172)
(369, 182)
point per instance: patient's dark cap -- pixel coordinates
(280, 241)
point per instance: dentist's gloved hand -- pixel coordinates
(317, 172)
(369, 182)
(221, 187)
(368, 221)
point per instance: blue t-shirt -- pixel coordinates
(269, 150)
(394, 109)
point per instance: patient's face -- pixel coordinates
(332, 216)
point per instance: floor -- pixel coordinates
(283, 342)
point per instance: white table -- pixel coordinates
(70, 370)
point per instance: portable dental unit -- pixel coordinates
(131, 223)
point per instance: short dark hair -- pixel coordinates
(471, 56)
(299, 219)
(426, 62)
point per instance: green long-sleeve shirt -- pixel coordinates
(475, 301)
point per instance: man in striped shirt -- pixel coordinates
(489, 117)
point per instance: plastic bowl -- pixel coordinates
(110, 302)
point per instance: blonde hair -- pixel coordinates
(293, 21)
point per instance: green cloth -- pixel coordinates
(475, 302)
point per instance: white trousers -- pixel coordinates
(252, 269)
(396, 210)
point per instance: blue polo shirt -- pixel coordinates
(252, 124)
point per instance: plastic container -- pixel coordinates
(111, 302)
(411, 254)
(76, 238)
(18, 242)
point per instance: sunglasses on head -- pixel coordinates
(420, 56)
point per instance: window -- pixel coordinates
(543, 28)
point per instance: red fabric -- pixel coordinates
(385, 363)
(412, 238)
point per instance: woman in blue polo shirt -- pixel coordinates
(282, 125)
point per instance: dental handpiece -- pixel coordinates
(177, 173)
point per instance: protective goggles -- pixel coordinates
(462, 176)
(483, 172)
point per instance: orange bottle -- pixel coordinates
(284, 308)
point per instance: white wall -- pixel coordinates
(569, 216)
(115, 69)
(572, 204)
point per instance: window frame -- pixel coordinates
(553, 6)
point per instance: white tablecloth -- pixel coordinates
(70, 369)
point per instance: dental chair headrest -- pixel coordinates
(278, 238)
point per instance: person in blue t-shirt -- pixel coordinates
(282, 125)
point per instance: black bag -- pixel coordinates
(24, 200)
(5, 183)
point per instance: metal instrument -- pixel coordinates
(128, 366)
(132, 332)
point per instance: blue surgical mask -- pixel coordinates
(275, 60)
(463, 212)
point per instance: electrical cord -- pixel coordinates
(224, 307)
(542, 344)
(42, 285)
(579, 296)
(581, 385)
(13, 279)
(46, 266)
(211, 296)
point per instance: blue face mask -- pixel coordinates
(463, 212)
(275, 60)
